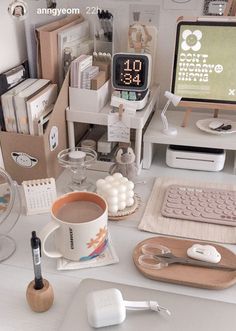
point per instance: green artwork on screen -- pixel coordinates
(205, 62)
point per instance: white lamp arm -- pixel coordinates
(163, 117)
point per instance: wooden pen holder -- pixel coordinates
(40, 300)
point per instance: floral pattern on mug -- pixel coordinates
(98, 243)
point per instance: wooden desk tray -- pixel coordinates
(188, 275)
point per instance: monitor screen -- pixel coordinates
(205, 62)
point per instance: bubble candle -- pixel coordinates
(117, 190)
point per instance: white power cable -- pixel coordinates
(145, 305)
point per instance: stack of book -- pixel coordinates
(89, 72)
(27, 106)
(77, 67)
(8, 80)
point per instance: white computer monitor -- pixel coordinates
(204, 68)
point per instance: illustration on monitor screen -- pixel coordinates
(204, 63)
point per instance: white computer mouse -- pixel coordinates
(205, 253)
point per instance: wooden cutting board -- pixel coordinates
(189, 275)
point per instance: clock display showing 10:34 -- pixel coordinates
(131, 71)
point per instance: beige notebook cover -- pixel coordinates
(71, 39)
(8, 104)
(48, 50)
(20, 103)
(37, 104)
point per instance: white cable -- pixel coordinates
(145, 305)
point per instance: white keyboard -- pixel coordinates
(200, 204)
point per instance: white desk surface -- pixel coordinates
(17, 271)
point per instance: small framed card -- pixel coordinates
(214, 7)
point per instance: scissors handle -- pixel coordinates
(172, 259)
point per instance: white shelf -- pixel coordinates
(138, 121)
(186, 136)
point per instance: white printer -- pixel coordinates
(195, 158)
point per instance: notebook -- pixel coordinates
(77, 67)
(47, 37)
(40, 123)
(8, 104)
(15, 75)
(187, 313)
(37, 104)
(20, 103)
(69, 43)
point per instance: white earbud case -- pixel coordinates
(105, 307)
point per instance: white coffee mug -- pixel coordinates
(79, 225)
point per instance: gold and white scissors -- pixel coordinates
(157, 257)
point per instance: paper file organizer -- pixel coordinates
(32, 157)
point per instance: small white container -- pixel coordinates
(89, 100)
(89, 143)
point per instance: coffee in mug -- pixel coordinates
(79, 224)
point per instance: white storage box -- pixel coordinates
(89, 100)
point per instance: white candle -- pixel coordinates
(117, 190)
(77, 156)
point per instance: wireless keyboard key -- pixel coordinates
(200, 204)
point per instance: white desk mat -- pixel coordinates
(153, 221)
(187, 313)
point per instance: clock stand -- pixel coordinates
(116, 101)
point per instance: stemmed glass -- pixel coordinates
(77, 160)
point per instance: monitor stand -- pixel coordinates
(188, 136)
(188, 112)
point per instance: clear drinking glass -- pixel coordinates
(77, 160)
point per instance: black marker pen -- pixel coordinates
(36, 253)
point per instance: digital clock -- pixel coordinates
(131, 71)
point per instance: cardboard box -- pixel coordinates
(103, 66)
(89, 100)
(32, 157)
(98, 81)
